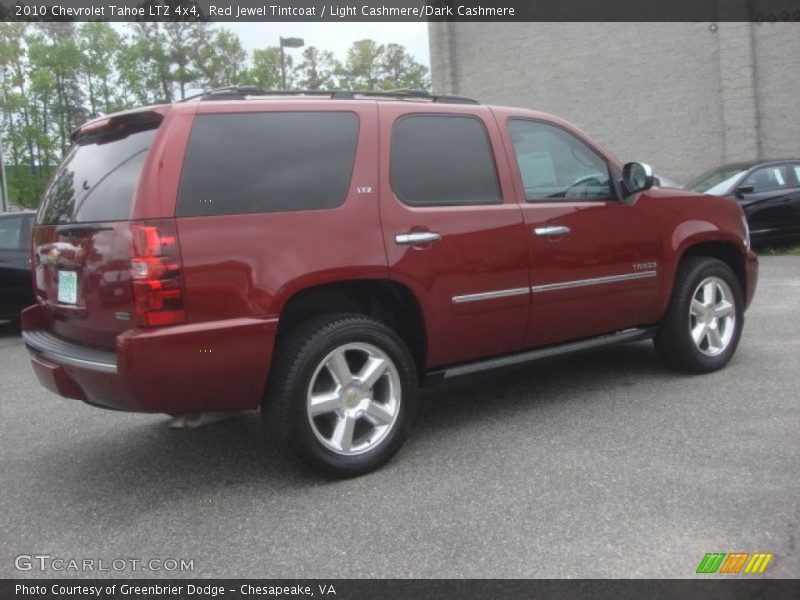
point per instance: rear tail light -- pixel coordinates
(156, 272)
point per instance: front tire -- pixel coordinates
(342, 394)
(704, 321)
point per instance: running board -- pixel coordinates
(620, 337)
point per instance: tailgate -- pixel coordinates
(81, 241)
(83, 279)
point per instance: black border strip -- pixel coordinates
(336, 11)
(405, 589)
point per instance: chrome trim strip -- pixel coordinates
(627, 335)
(489, 295)
(63, 352)
(548, 287)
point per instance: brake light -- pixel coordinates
(156, 272)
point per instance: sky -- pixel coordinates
(336, 37)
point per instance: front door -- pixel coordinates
(593, 260)
(453, 231)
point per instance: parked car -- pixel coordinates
(16, 289)
(321, 256)
(662, 180)
(769, 193)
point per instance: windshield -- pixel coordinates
(97, 179)
(713, 179)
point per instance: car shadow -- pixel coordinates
(9, 329)
(544, 382)
(187, 466)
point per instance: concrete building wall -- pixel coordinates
(777, 77)
(683, 97)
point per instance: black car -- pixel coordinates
(16, 289)
(769, 193)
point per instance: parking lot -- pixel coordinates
(601, 465)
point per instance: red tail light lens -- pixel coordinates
(156, 271)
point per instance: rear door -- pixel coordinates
(794, 174)
(452, 230)
(81, 241)
(15, 271)
(772, 207)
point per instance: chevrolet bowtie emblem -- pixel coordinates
(51, 257)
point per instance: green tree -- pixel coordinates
(399, 70)
(99, 45)
(185, 43)
(145, 64)
(362, 69)
(223, 61)
(55, 76)
(373, 66)
(317, 70)
(16, 116)
(265, 68)
(54, 47)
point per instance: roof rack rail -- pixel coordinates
(240, 92)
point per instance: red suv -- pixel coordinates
(320, 256)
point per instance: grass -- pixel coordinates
(780, 251)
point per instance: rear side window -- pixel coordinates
(768, 179)
(97, 179)
(441, 160)
(267, 162)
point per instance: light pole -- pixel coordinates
(288, 43)
(3, 188)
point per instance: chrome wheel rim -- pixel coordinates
(712, 316)
(353, 400)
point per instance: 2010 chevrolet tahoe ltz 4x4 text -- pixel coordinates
(317, 257)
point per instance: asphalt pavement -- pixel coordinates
(601, 465)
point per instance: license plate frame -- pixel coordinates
(68, 287)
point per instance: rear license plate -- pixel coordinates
(68, 287)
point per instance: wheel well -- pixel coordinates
(724, 251)
(389, 302)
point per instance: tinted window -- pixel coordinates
(796, 169)
(97, 179)
(267, 162)
(555, 164)
(768, 179)
(9, 233)
(442, 160)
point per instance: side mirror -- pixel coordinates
(741, 190)
(636, 177)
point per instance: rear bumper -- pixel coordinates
(214, 366)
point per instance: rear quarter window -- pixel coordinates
(267, 162)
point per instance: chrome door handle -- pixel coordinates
(551, 230)
(417, 237)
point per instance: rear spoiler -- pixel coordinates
(119, 125)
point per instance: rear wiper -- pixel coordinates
(81, 228)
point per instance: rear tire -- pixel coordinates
(703, 324)
(342, 394)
